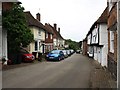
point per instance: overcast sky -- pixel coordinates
(74, 17)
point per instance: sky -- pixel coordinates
(74, 17)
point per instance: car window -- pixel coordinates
(54, 52)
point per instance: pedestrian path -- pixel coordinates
(101, 77)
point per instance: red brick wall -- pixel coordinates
(112, 57)
(49, 40)
(6, 6)
(85, 47)
(112, 17)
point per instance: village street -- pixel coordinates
(72, 72)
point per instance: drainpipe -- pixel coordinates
(118, 44)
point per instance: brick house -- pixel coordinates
(58, 40)
(84, 46)
(48, 38)
(112, 37)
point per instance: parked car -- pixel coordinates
(72, 51)
(65, 53)
(26, 56)
(55, 55)
(69, 52)
(78, 51)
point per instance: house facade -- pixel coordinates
(58, 40)
(38, 30)
(84, 46)
(97, 40)
(112, 37)
(48, 38)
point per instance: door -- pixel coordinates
(99, 52)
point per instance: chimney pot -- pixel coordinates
(55, 26)
(38, 16)
(59, 30)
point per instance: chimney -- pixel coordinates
(55, 26)
(59, 30)
(46, 24)
(38, 16)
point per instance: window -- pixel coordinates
(50, 36)
(39, 32)
(46, 35)
(112, 41)
(36, 45)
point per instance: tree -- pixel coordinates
(18, 33)
(72, 44)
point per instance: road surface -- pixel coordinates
(72, 72)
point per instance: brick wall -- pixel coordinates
(112, 17)
(112, 57)
(6, 6)
(84, 47)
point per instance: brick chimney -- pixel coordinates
(59, 30)
(38, 16)
(55, 26)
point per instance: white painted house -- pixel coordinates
(97, 40)
(38, 31)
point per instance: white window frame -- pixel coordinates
(112, 41)
(46, 35)
(51, 36)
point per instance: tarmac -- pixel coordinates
(100, 76)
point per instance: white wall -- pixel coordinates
(95, 36)
(4, 44)
(104, 41)
(95, 53)
(103, 34)
(89, 39)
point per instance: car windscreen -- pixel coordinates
(54, 52)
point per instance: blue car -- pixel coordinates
(55, 55)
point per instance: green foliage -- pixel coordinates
(18, 33)
(72, 44)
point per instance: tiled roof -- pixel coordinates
(102, 19)
(31, 21)
(48, 28)
(104, 16)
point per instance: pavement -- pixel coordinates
(101, 77)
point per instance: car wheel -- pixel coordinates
(59, 59)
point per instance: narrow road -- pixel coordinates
(72, 72)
